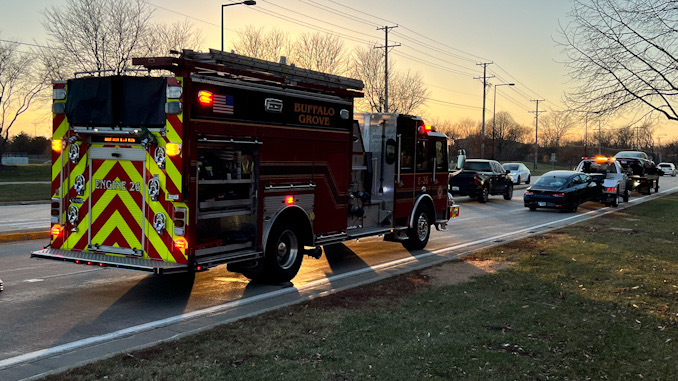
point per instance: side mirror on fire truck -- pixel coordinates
(461, 159)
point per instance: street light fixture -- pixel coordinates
(494, 112)
(246, 2)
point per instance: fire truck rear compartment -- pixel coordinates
(226, 189)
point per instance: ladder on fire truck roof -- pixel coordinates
(288, 74)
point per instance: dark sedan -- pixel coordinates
(564, 190)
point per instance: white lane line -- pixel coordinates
(241, 302)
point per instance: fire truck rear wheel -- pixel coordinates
(417, 236)
(283, 255)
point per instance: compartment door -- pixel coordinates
(117, 200)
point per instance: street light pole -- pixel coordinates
(246, 2)
(494, 111)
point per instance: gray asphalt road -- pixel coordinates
(51, 308)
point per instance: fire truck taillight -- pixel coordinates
(289, 200)
(173, 149)
(56, 230)
(179, 221)
(57, 145)
(205, 98)
(181, 243)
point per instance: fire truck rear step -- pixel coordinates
(103, 260)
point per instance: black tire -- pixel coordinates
(615, 201)
(282, 257)
(483, 195)
(625, 196)
(528, 179)
(532, 208)
(417, 236)
(508, 194)
(518, 181)
(574, 206)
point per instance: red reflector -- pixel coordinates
(78, 261)
(89, 263)
(289, 200)
(198, 268)
(206, 98)
(102, 265)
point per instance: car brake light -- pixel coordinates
(559, 195)
(529, 193)
(289, 200)
(612, 189)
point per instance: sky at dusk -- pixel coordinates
(442, 39)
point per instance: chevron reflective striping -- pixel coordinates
(173, 164)
(117, 216)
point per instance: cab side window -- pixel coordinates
(424, 157)
(406, 158)
(441, 156)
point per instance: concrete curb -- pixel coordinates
(24, 236)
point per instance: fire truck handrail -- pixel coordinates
(288, 73)
(289, 186)
(207, 140)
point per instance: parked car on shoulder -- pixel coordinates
(563, 190)
(519, 172)
(480, 178)
(669, 169)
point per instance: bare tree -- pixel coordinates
(622, 56)
(320, 51)
(367, 64)
(257, 43)
(553, 127)
(94, 35)
(624, 137)
(466, 127)
(160, 38)
(407, 91)
(19, 86)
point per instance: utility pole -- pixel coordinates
(600, 151)
(536, 130)
(386, 47)
(482, 131)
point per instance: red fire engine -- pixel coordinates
(219, 158)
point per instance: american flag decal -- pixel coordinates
(223, 104)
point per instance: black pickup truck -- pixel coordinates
(480, 178)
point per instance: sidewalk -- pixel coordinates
(22, 221)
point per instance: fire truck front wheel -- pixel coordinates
(418, 235)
